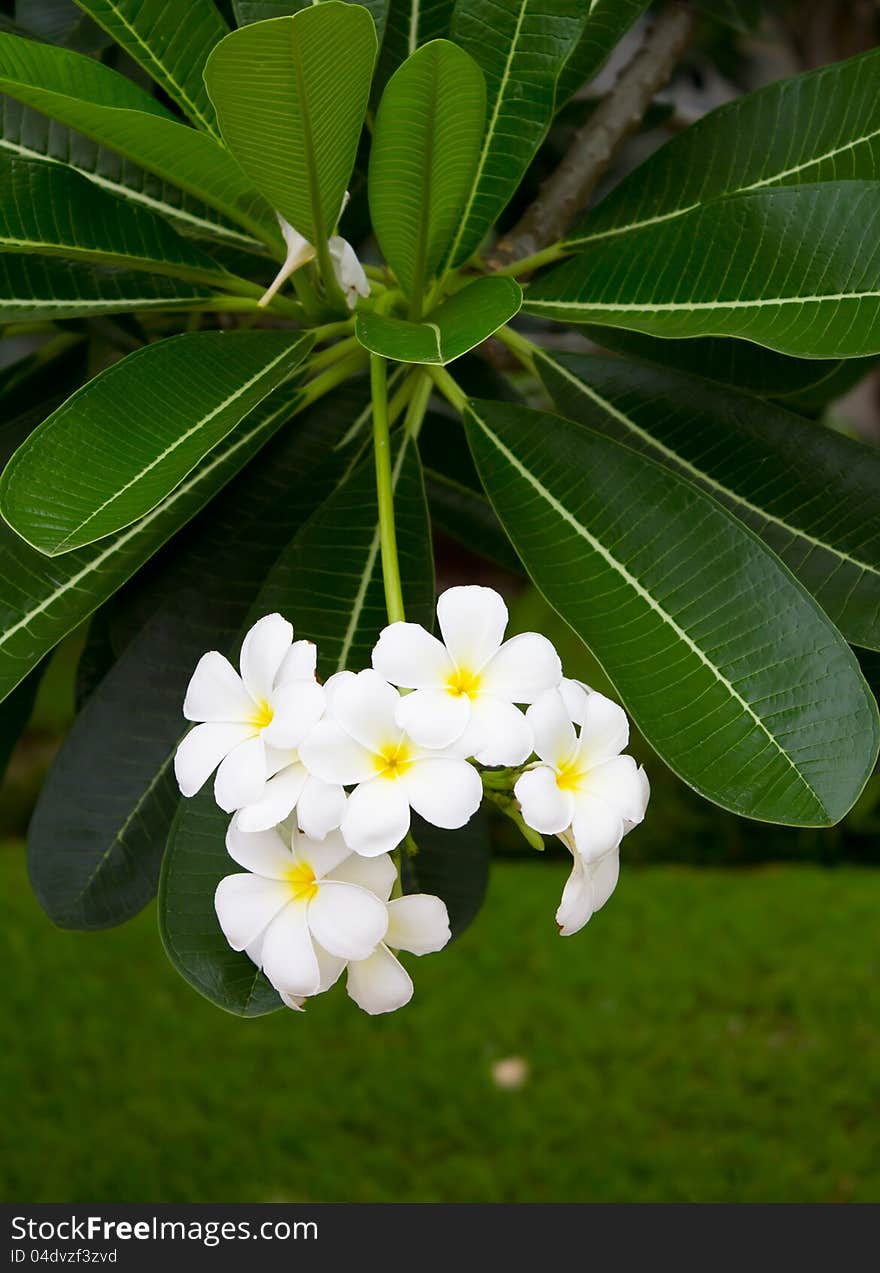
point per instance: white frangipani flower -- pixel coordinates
(347, 269)
(581, 781)
(418, 924)
(349, 272)
(299, 253)
(360, 742)
(289, 785)
(292, 911)
(465, 687)
(272, 704)
(587, 889)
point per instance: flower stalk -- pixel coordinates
(385, 490)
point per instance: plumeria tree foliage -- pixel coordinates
(275, 272)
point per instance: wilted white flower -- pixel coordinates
(360, 742)
(418, 924)
(465, 687)
(587, 889)
(349, 272)
(294, 913)
(582, 782)
(299, 253)
(347, 268)
(272, 704)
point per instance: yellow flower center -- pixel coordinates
(262, 715)
(570, 776)
(303, 884)
(463, 683)
(393, 760)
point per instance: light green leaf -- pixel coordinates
(465, 320)
(521, 46)
(33, 288)
(111, 110)
(26, 132)
(811, 494)
(822, 126)
(411, 24)
(53, 211)
(795, 269)
(169, 45)
(247, 11)
(116, 449)
(606, 24)
(423, 159)
(42, 599)
(291, 95)
(727, 665)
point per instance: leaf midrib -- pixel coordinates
(646, 595)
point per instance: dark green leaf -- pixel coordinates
(461, 323)
(123, 442)
(247, 11)
(607, 23)
(811, 494)
(727, 665)
(453, 865)
(16, 713)
(34, 288)
(60, 22)
(822, 126)
(411, 24)
(795, 269)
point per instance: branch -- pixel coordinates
(565, 193)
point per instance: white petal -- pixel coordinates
(320, 808)
(262, 653)
(576, 904)
(330, 966)
(348, 270)
(501, 734)
(377, 874)
(295, 1002)
(604, 732)
(619, 784)
(446, 793)
(299, 663)
(277, 801)
(406, 654)
(322, 856)
(332, 686)
(418, 923)
(575, 695)
(380, 983)
(246, 905)
(289, 959)
(347, 920)
(605, 874)
(263, 852)
(364, 706)
(433, 718)
(472, 620)
(297, 707)
(597, 827)
(201, 751)
(644, 797)
(241, 777)
(331, 755)
(376, 817)
(544, 807)
(555, 739)
(524, 668)
(216, 693)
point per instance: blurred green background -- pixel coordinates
(713, 1034)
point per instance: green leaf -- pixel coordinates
(34, 288)
(459, 324)
(822, 126)
(115, 450)
(424, 156)
(195, 862)
(411, 24)
(27, 133)
(83, 94)
(811, 494)
(95, 846)
(41, 599)
(17, 710)
(329, 579)
(607, 23)
(53, 211)
(453, 865)
(795, 269)
(291, 95)
(247, 11)
(521, 46)
(59, 22)
(171, 46)
(727, 665)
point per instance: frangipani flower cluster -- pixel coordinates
(322, 781)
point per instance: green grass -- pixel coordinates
(709, 1036)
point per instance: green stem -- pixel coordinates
(327, 357)
(385, 490)
(526, 264)
(519, 345)
(448, 387)
(418, 403)
(333, 376)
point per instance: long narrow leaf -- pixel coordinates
(36, 288)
